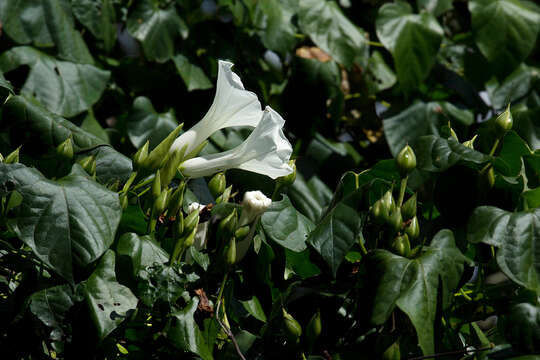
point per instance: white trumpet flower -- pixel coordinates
(266, 151)
(255, 203)
(232, 106)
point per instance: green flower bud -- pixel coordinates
(406, 160)
(293, 330)
(169, 170)
(504, 122)
(392, 352)
(191, 221)
(123, 200)
(230, 255)
(388, 203)
(227, 226)
(242, 232)
(470, 143)
(1, 158)
(413, 230)
(13, 158)
(158, 157)
(395, 221)
(89, 164)
(160, 204)
(156, 186)
(190, 239)
(223, 198)
(378, 212)
(288, 180)
(217, 184)
(314, 327)
(408, 209)
(179, 224)
(140, 156)
(65, 149)
(176, 200)
(401, 245)
(114, 186)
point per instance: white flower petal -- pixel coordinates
(232, 106)
(266, 151)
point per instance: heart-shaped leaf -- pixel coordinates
(412, 284)
(333, 32)
(517, 237)
(110, 302)
(412, 39)
(142, 250)
(63, 87)
(286, 226)
(156, 28)
(516, 27)
(68, 222)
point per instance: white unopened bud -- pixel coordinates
(195, 206)
(254, 204)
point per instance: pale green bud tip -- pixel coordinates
(65, 149)
(156, 185)
(217, 184)
(288, 180)
(140, 156)
(406, 160)
(504, 121)
(89, 164)
(13, 158)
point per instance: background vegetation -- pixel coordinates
(328, 277)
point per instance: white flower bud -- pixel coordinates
(195, 206)
(254, 204)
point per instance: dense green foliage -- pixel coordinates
(412, 226)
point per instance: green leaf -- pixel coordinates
(71, 221)
(274, 17)
(99, 17)
(110, 302)
(436, 154)
(412, 39)
(512, 88)
(51, 305)
(527, 125)
(412, 284)
(337, 231)
(24, 22)
(5, 88)
(286, 226)
(333, 32)
(163, 283)
(65, 88)
(52, 129)
(421, 119)
(517, 237)
(68, 41)
(436, 7)
(253, 306)
(310, 196)
(193, 76)
(300, 264)
(379, 75)
(144, 123)
(510, 156)
(516, 28)
(184, 333)
(521, 327)
(156, 28)
(143, 251)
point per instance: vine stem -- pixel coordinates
(223, 326)
(456, 352)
